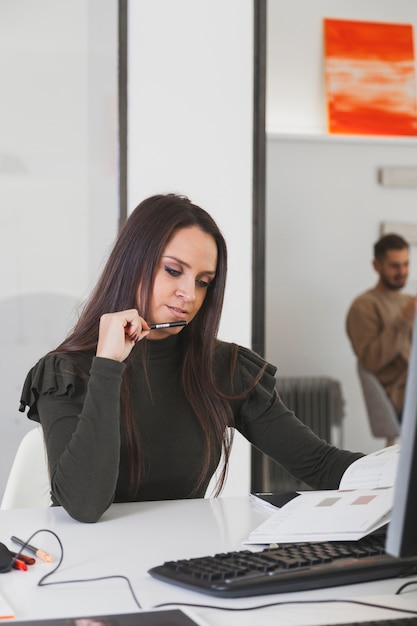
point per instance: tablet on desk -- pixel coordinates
(273, 501)
(169, 617)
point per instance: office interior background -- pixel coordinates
(190, 130)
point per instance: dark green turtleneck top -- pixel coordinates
(80, 419)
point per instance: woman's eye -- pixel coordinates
(203, 283)
(171, 271)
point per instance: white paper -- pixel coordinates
(372, 471)
(362, 504)
(326, 516)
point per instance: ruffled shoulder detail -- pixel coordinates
(54, 374)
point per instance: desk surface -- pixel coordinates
(131, 538)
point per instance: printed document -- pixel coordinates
(361, 505)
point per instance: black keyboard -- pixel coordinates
(289, 567)
(395, 621)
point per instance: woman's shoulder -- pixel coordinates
(55, 374)
(247, 379)
(56, 368)
(245, 364)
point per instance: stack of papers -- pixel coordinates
(362, 504)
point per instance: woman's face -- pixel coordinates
(185, 270)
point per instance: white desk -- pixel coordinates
(131, 538)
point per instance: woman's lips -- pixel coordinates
(178, 313)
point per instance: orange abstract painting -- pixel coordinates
(370, 78)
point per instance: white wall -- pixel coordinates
(190, 131)
(324, 204)
(58, 179)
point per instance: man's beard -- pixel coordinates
(392, 286)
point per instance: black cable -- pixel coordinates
(283, 603)
(88, 580)
(405, 585)
(42, 583)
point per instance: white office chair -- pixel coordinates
(383, 419)
(28, 484)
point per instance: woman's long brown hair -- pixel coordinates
(131, 266)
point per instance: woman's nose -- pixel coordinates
(186, 290)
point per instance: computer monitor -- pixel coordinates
(402, 529)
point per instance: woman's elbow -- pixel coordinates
(85, 512)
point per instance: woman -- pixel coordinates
(135, 413)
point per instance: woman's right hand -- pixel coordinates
(118, 333)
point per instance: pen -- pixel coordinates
(29, 560)
(167, 325)
(40, 553)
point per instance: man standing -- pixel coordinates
(380, 321)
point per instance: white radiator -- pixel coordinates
(316, 401)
